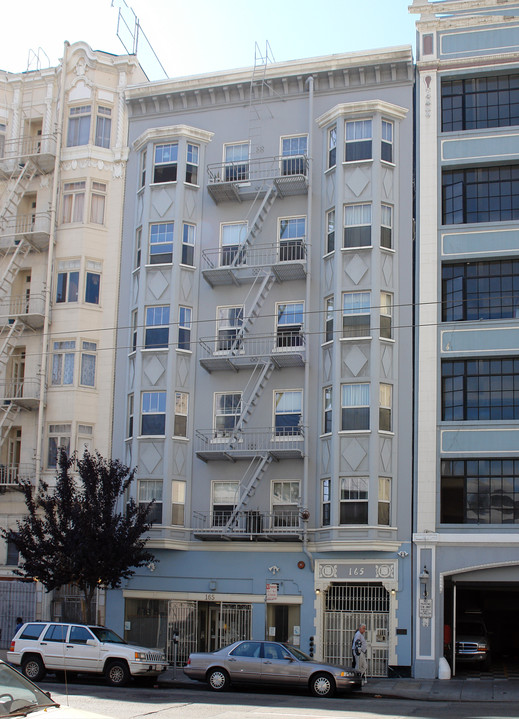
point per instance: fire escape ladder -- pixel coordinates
(257, 223)
(7, 345)
(258, 379)
(8, 413)
(249, 482)
(250, 311)
(15, 192)
(13, 266)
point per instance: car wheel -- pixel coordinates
(322, 685)
(218, 680)
(33, 668)
(117, 674)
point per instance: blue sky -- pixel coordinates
(198, 36)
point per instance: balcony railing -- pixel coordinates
(255, 255)
(232, 351)
(41, 149)
(280, 442)
(29, 309)
(11, 474)
(248, 524)
(234, 180)
(23, 392)
(34, 227)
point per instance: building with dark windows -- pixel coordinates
(263, 375)
(467, 403)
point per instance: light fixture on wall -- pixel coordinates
(424, 580)
(318, 591)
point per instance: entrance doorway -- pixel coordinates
(283, 623)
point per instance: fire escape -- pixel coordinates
(23, 230)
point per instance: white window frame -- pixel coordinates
(165, 244)
(329, 318)
(289, 334)
(385, 407)
(384, 500)
(228, 326)
(63, 363)
(180, 414)
(330, 231)
(77, 126)
(293, 161)
(178, 502)
(220, 517)
(386, 226)
(332, 147)
(356, 314)
(156, 405)
(98, 195)
(291, 238)
(148, 490)
(357, 216)
(192, 163)
(74, 197)
(357, 135)
(188, 244)
(386, 315)
(68, 268)
(185, 321)
(220, 431)
(103, 131)
(156, 317)
(230, 250)
(357, 490)
(170, 164)
(236, 169)
(285, 502)
(355, 396)
(294, 431)
(62, 434)
(87, 375)
(388, 134)
(326, 500)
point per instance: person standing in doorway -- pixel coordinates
(19, 623)
(359, 649)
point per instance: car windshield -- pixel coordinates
(18, 696)
(298, 653)
(107, 636)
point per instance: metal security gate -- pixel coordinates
(189, 621)
(17, 599)
(347, 606)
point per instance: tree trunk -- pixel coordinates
(89, 606)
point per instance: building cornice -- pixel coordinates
(172, 131)
(458, 6)
(368, 107)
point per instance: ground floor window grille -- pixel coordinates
(346, 607)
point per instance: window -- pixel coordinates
(480, 194)
(138, 244)
(328, 319)
(13, 555)
(3, 128)
(236, 159)
(355, 407)
(480, 389)
(161, 243)
(97, 203)
(56, 633)
(79, 635)
(92, 282)
(386, 226)
(134, 330)
(326, 502)
(293, 152)
(180, 419)
(153, 420)
(287, 412)
(156, 333)
(357, 225)
(79, 126)
(227, 411)
(63, 362)
(74, 201)
(354, 500)
(150, 490)
(285, 503)
(178, 502)
(192, 164)
(289, 324)
(188, 244)
(480, 491)
(232, 237)
(229, 321)
(292, 232)
(327, 410)
(59, 438)
(88, 364)
(129, 432)
(223, 502)
(103, 126)
(184, 328)
(330, 231)
(386, 311)
(356, 318)
(480, 291)
(68, 281)
(480, 102)
(359, 134)
(332, 146)
(386, 149)
(144, 159)
(165, 166)
(384, 500)
(85, 438)
(385, 405)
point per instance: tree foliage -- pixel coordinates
(74, 533)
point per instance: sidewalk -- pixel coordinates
(450, 690)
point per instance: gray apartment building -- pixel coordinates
(467, 404)
(264, 365)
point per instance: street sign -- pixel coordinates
(272, 592)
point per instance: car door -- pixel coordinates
(279, 666)
(52, 646)
(244, 662)
(82, 656)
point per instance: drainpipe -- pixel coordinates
(306, 393)
(50, 265)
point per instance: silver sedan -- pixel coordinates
(273, 663)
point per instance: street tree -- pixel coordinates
(75, 534)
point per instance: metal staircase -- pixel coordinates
(16, 190)
(256, 225)
(250, 481)
(258, 379)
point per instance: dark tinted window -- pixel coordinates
(247, 649)
(79, 635)
(32, 631)
(56, 633)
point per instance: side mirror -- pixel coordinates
(91, 643)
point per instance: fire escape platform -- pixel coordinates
(248, 445)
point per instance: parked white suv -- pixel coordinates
(39, 647)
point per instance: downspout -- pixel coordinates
(306, 393)
(50, 265)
